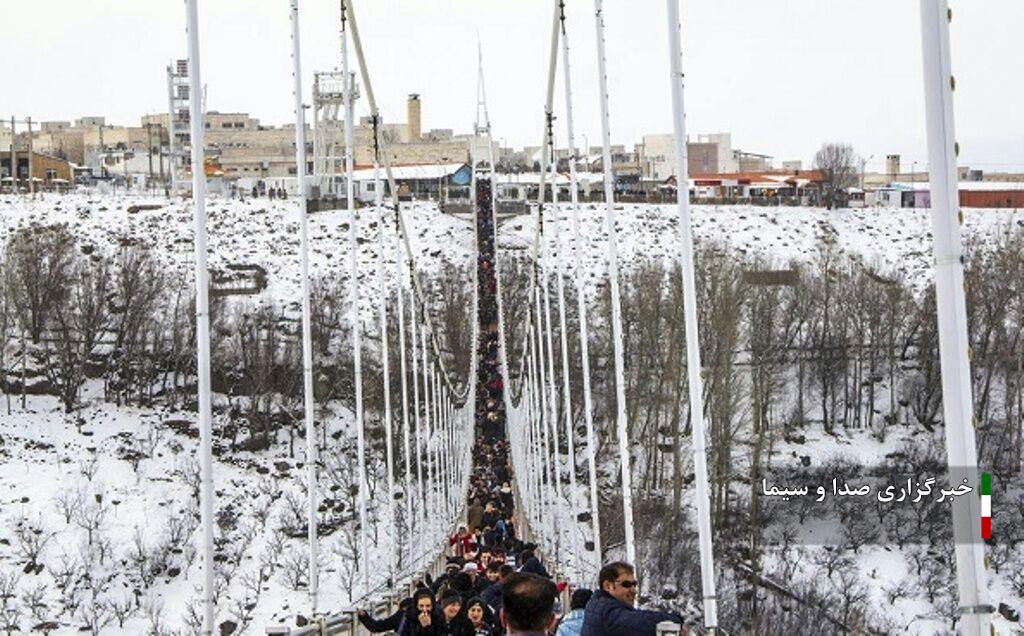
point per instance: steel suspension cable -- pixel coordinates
(428, 431)
(613, 280)
(206, 493)
(581, 305)
(550, 90)
(975, 607)
(307, 332)
(545, 267)
(400, 311)
(385, 366)
(550, 350)
(422, 508)
(348, 9)
(356, 319)
(693, 363)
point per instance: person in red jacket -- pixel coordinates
(462, 541)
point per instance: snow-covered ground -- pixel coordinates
(47, 456)
(895, 241)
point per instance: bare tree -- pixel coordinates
(37, 264)
(77, 324)
(10, 611)
(838, 165)
(68, 501)
(32, 539)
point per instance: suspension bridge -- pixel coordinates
(528, 399)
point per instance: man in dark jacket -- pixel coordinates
(532, 565)
(453, 620)
(612, 612)
(527, 605)
(453, 567)
(492, 594)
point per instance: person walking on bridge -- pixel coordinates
(461, 541)
(528, 605)
(420, 617)
(612, 610)
(474, 515)
(572, 623)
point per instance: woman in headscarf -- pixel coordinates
(481, 617)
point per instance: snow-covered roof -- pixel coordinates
(993, 186)
(422, 171)
(998, 186)
(532, 178)
(563, 178)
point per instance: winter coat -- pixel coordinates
(474, 517)
(485, 629)
(607, 616)
(463, 543)
(459, 626)
(392, 623)
(412, 625)
(534, 566)
(571, 624)
(404, 623)
(492, 596)
(489, 519)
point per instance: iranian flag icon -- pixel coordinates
(986, 505)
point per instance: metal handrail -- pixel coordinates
(346, 619)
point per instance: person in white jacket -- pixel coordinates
(572, 623)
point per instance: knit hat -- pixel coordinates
(580, 598)
(450, 597)
(462, 582)
(470, 567)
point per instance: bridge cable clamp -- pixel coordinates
(977, 609)
(949, 259)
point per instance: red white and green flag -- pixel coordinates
(986, 505)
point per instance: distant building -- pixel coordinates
(798, 184)
(48, 172)
(972, 194)
(426, 181)
(709, 154)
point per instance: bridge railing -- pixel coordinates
(552, 566)
(345, 622)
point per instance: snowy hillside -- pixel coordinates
(97, 506)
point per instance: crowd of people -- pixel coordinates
(493, 582)
(490, 389)
(504, 600)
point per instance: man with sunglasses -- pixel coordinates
(612, 610)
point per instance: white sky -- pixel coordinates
(782, 75)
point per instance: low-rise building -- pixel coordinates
(708, 154)
(47, 172)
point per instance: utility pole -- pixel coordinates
(160, 149)
(170, 126)
(149, 148)
(101, 153)
(31, 164)
(14, 162)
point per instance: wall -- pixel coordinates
(445, 152)
(702, 158)
(992, 198)
(41, 164)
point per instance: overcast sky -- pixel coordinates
(782, 76)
